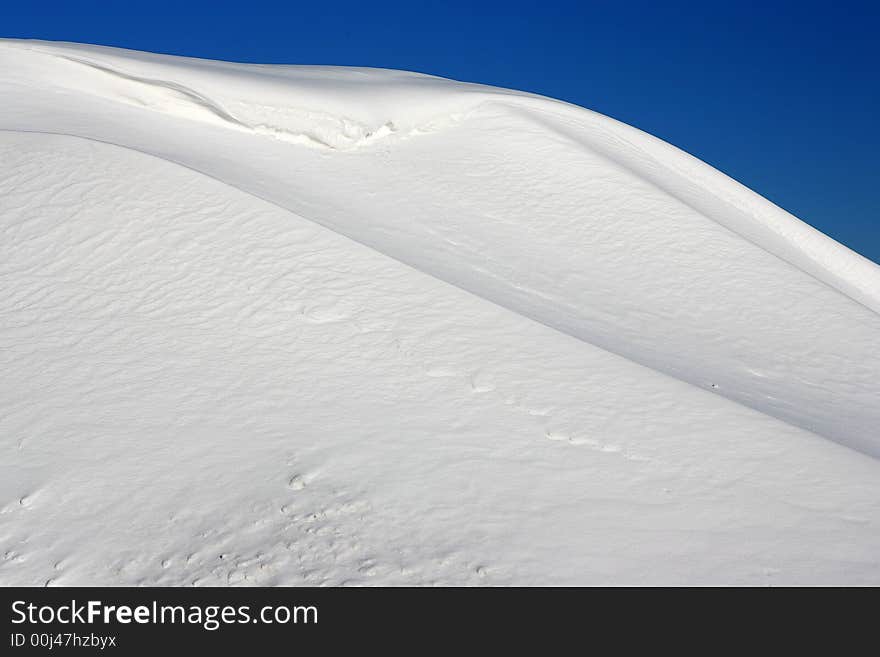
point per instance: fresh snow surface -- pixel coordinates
(318, 325)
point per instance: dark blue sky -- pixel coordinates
(783, 96)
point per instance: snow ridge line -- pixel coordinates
(328, 132)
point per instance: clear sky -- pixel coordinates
(782, 96)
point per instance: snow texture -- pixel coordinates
(317, 325)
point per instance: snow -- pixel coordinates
(317, 325)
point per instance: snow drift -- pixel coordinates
(282, 324)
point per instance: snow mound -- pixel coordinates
(283, 324)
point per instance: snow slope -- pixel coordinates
(285, 325)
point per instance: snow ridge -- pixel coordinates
(389, 117)
(332, 325)
(303, 113)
